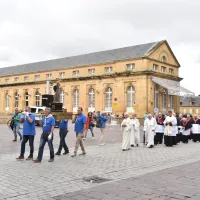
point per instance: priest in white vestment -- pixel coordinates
(149, 128)
(170, 129)
(135, 131)
(126, 127)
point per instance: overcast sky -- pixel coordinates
(35, 30)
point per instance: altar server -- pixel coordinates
(186, 124)
(159, 129)
(180, 128)
(195, 128)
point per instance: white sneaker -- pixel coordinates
(84, 138)
(102, 144)
(93, 138)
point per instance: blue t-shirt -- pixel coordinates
(63, 124)
(79, 124)
(47, 123)
(28, 128)
(103, 120)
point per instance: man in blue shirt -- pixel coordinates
(80, 121)
(28, 133)
(48, 124)
(63, 126)
(16, 118)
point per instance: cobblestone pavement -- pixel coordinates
(178, 183)
(27, 180)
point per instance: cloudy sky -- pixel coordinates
(35, 30)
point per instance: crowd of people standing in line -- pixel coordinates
(160, 128)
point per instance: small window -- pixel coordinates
(108, 69)
(164, 59)
(171, 71)
(61, 74)
(181, 103)
(16, 79)
(164, 69)
(26, 78)
(33, 110)
(91, 71)
(37, 77)
(155, 67)
(75, 73)
(6, 80)
(48, 75)
(130, 66)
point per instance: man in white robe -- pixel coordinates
(149, 128)
(126, 127)
(170, 129)
(135, 131)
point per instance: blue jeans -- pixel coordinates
(16, 131)
(27, 138)
(91, 130)
(43, 140)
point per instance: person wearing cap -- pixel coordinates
(28, 119)
(48, 124)
(135, 131)
(149, 128)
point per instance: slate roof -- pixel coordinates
(185, 101)
(108, 56)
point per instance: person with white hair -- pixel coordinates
(186, 124)
(170, 129)
(135, 131)
(149, 128)
(196, 128)
(126, 127)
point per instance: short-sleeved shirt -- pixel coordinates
(28, 128)
(47, 123)
(63, 124)
(79, 124)
(18, 116)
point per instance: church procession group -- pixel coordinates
(160, 128)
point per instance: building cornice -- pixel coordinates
(98, 77)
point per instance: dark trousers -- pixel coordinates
(158, 138)
(179, 137)
(25, 139)
(63, 134)
(196, 137)
(168, 140)
(43, 140)
(185, 138)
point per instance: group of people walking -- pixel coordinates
(81, 126)
(160, 128)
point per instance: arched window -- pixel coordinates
(130, 96)
(108, 100)
(164, 99)
(62, 96)
(91, 98)
(37, 98)
(156, 97)
(164, 59)
(75, 99)
(26, 98)
(7, 100)
(16, 99)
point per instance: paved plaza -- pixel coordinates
(104, 173)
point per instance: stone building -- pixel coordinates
(190, 105)
(142, 78)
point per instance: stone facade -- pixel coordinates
(124, 85)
